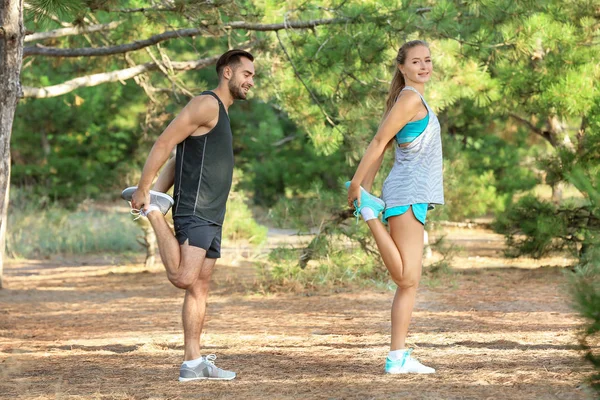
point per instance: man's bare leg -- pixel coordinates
(168, 246)
(166, 178)
(194, 310)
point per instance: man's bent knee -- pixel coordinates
(199, 288)
(181, 281)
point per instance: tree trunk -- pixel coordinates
(12, 33)
(557, 192)
(150, 244)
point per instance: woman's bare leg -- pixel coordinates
(407, 233)
(402, 252)
(387, 248)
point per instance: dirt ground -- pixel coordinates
(108, 328)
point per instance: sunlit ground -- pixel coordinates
(109, 328)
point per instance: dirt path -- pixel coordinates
(109, 329)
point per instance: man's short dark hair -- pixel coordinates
(232, 58)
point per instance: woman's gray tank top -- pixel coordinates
(416, 176)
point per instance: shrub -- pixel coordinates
(39, 228)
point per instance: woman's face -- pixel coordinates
(418, 66)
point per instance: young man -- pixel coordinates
(202, 173)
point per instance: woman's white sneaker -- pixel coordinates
(406, 365)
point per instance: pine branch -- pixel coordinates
(338, 217)
(581, 135)
(166, 68)
(327, 117)
(71, 31)
(545, 134)
(110, 50)
(178, 8)
(113, 76)
(140, 44)
(283, 141)
(45, 13)
(286, 24)
(146, 9)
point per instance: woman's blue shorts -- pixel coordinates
(419, 211)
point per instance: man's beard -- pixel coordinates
(237, 92)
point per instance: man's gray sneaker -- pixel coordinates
(162, 200)
(205, 370)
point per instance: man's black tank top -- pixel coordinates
(204, 170)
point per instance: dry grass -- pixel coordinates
(110, 329)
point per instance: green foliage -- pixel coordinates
(77, 146)
(38, 228)
(308, 208)
(278, 160)
(341, 253)
(585, 289)
(336, 263)
(507, 162)
(476, 181)
(239, 222)
(468, 194)
(585, 284)
(443, 266)
(537, 221)
(539, 227)
(319, 98)
(42, 11)
(546, 47)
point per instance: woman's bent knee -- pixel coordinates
(406, 282)
(396, 278)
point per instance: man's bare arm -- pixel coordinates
(200, 111)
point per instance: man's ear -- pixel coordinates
(227, 72)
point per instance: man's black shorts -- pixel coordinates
(199, 233)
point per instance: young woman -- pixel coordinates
(413, 185)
